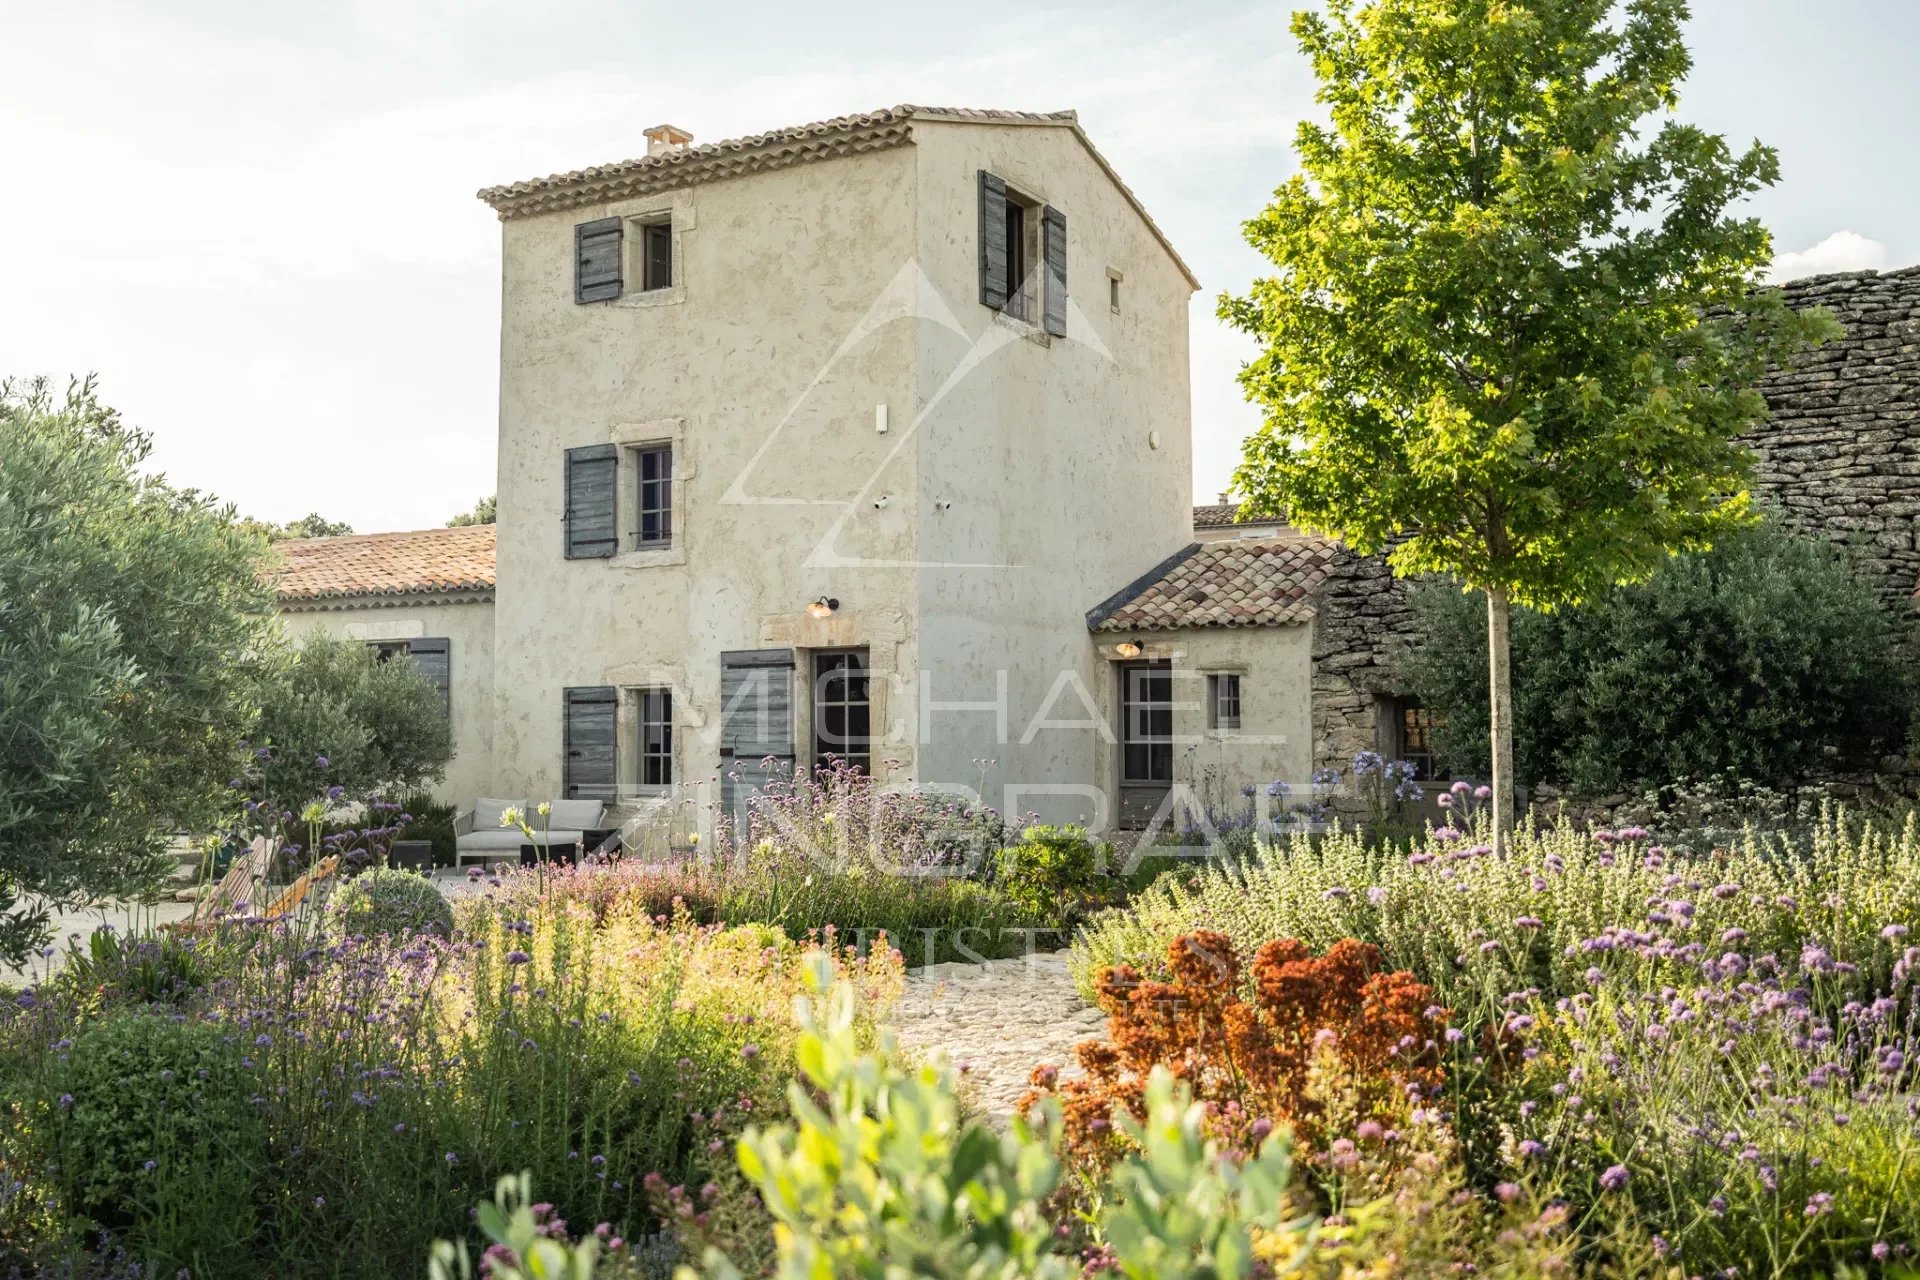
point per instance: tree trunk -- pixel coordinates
(1500, 690)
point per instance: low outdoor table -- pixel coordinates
(413, 855)
(531, 854)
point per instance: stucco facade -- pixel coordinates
(848, 423)
(1212, 765)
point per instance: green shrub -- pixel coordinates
(1766, 657)
(141, 969)
(399, 903)
(333, 715)
(1052, 871)
(158, 1137)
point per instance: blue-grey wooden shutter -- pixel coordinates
(592, 491)
(587, 772)
(596, 260)
(1053, 243)
(993, 241)
(433, 655)
(756, 723)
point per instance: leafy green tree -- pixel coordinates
(1766, 656)
(334, 715)
(1513, 331)
(131, 614)
(311, 525)
(482, 513)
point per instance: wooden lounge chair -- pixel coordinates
(296, 893)
(234, 888)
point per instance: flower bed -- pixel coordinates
(1697, 1062)
(930, 917)
(383, 1086)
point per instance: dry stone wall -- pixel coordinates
(1840, 455)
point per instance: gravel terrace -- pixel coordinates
(997, 1020)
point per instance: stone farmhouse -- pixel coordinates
(869, 440)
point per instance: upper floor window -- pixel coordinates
(600, 267)
(1017, 234)
(621, 497)
(656, 254)
(653, 504)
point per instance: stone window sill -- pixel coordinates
(644, 298)
(651, 559)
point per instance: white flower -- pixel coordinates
(546, 807)
(509, 817)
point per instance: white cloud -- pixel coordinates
(1841, 251)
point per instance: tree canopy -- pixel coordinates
(334, 714)
(1513, 330)
(132, 619)
(311, 525)
(482, 513)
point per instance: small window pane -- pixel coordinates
(653, 525)
(1016, 280)
(1414, 727)
(1225, 708)
(653, 710)
(656, 248)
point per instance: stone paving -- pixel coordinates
(997, 1020)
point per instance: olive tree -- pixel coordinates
(133, 615)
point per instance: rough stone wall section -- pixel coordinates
(1363, 618)
(1840, 455)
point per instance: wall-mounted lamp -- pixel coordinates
(1127, 649)
(823, 607)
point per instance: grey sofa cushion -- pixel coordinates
(509, 840)
(574, 815)
(487, 811)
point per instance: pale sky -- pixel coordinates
(255, 221)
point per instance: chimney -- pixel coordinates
(1226, 498)
(665, 138)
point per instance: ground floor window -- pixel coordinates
(842, 709)
(1223, 701)
(1411, 738)
(648, 755)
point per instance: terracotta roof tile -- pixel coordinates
(1225, 515)
(778, 149)
(1263, 582)
(425, 562)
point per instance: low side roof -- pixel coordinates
(1263, 582)
(424, 562)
